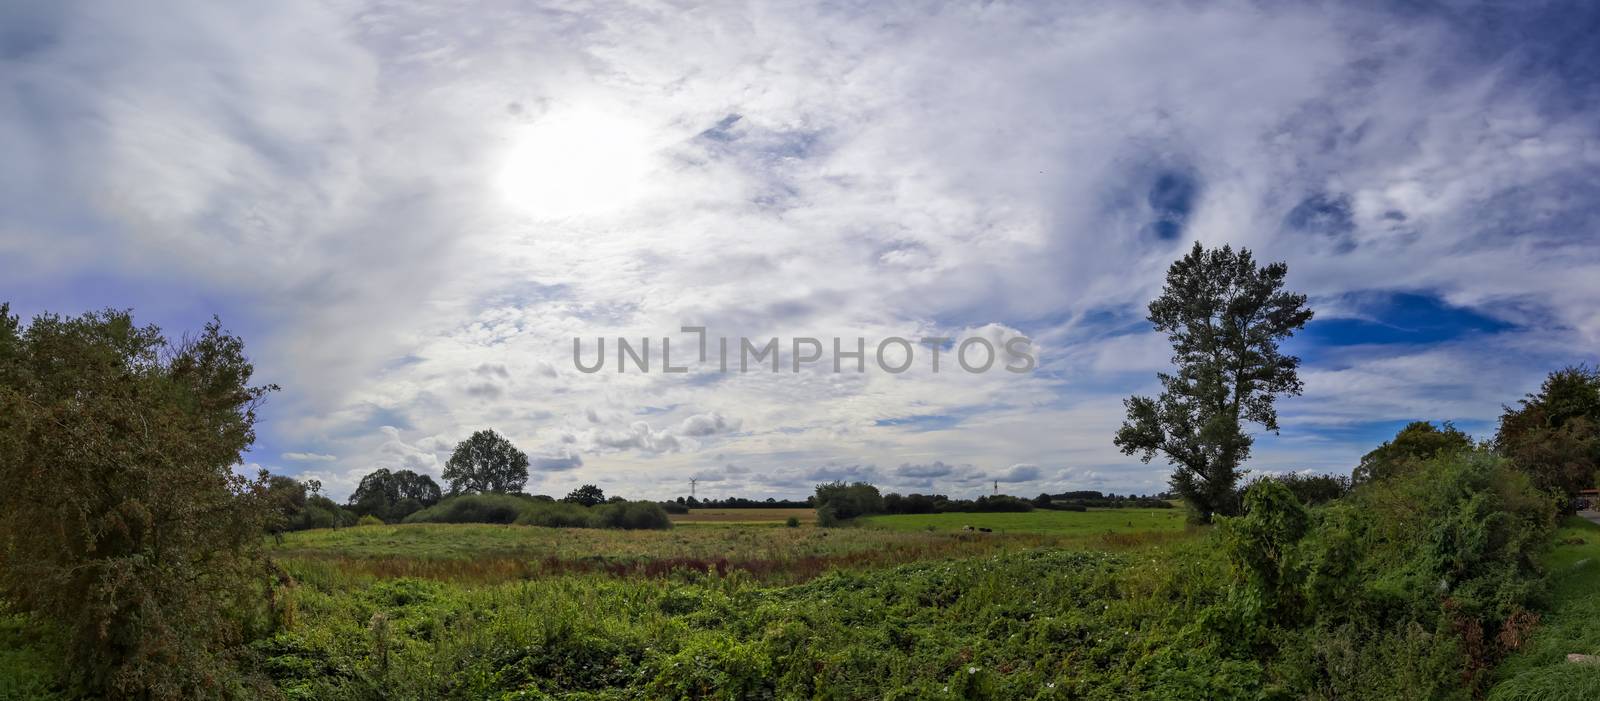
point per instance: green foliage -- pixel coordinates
(1406, 588)
(1262, 542)
(369, 520)
(631, 515)
(843, 502)
(321, 512)
(1311, 489)
(486, 462)
(586, 495)
(828, 517)
(1414, 585)
(792, 522)
(1554, 435)
(1225, 317)
(474, 508)
(1418, 442)
(557, 515)
(392, 496)
(122, 523)
(523, 510)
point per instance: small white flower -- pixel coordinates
(972, 670)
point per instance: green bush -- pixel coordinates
(369, 520)
(1410, 587)
(792, 522)
(632, 515)
(556, 514)
(474, 508)
(523, 510)
(827, 517)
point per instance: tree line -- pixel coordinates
(484, 463)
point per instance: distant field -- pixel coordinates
(489, 553)
(1065, 523)
(751, 516)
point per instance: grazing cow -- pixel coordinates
(985, 530)
(966, 528)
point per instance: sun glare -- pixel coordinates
(581, 162)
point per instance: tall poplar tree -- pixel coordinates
(1225, 317)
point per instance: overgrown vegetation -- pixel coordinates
(1408, 588)
(122, 524)
(133, 562)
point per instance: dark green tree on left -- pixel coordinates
(486, 462)
(123, 521)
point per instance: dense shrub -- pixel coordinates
(1309, 489)
(474, 508)
(847, 501)
(524, 510)
(554, 514)
(631, 515)
(1410, 587)
(827, 517)
(122, 523)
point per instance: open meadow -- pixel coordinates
(728, 608)
(1065, 523)
(727, 541)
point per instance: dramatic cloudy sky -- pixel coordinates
(410, 209)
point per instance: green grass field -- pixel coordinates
(494, 553)
(1075, 523)
(1540, 670)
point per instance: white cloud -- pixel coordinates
(327, 173)
(308, 457)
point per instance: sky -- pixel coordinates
(409, 210)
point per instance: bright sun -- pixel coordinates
(579, 162)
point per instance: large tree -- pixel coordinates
(586, 495)
(486, 462)
(1225, 317)
(394, 495)
(122, 520)
(1554, 434)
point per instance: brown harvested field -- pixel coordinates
(751, 516)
